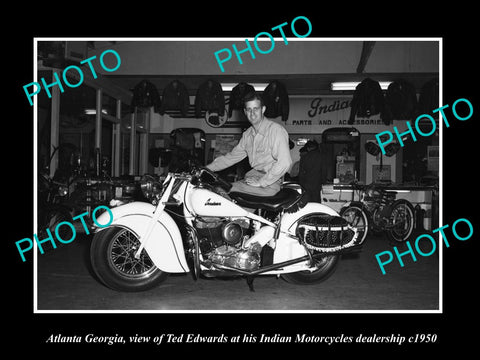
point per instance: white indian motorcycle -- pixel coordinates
(192, 225)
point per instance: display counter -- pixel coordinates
(422, 197)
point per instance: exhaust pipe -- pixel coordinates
(278, 265)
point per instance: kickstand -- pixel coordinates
(250, 283)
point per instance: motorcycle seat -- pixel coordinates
(282, 200)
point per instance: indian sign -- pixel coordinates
(317, 113)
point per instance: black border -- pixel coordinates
(25, 330)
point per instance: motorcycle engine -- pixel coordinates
(221, 240)
(378, 217)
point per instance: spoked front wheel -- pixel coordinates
(358, 219)
(112, 255)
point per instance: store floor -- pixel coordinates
(65, 282)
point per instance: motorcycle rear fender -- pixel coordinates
(290, 219)
(164, 246)
(288, 248)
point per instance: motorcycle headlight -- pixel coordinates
(150, 187)
(373, 193)
(62, 190)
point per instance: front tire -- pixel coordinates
(112, 256)
(326, 266)
(357, 218)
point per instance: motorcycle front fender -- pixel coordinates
(164, 246)
(352, 203)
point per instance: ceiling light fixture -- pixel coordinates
(94, 112)
(351, 85)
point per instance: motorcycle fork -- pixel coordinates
(156, 215)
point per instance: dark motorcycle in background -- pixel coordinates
(52, 207)
(379, 211)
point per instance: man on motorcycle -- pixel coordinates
(266, 145)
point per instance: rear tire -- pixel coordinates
(403, 218)
(326, 266)
(112, 257)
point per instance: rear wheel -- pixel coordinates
(112, 255)
(402, 220)
(325, 267)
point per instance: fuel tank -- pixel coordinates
(207, 203)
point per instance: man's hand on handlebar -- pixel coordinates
(199, 170)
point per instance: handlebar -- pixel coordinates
(223, 183)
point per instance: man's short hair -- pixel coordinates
(251, 96)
